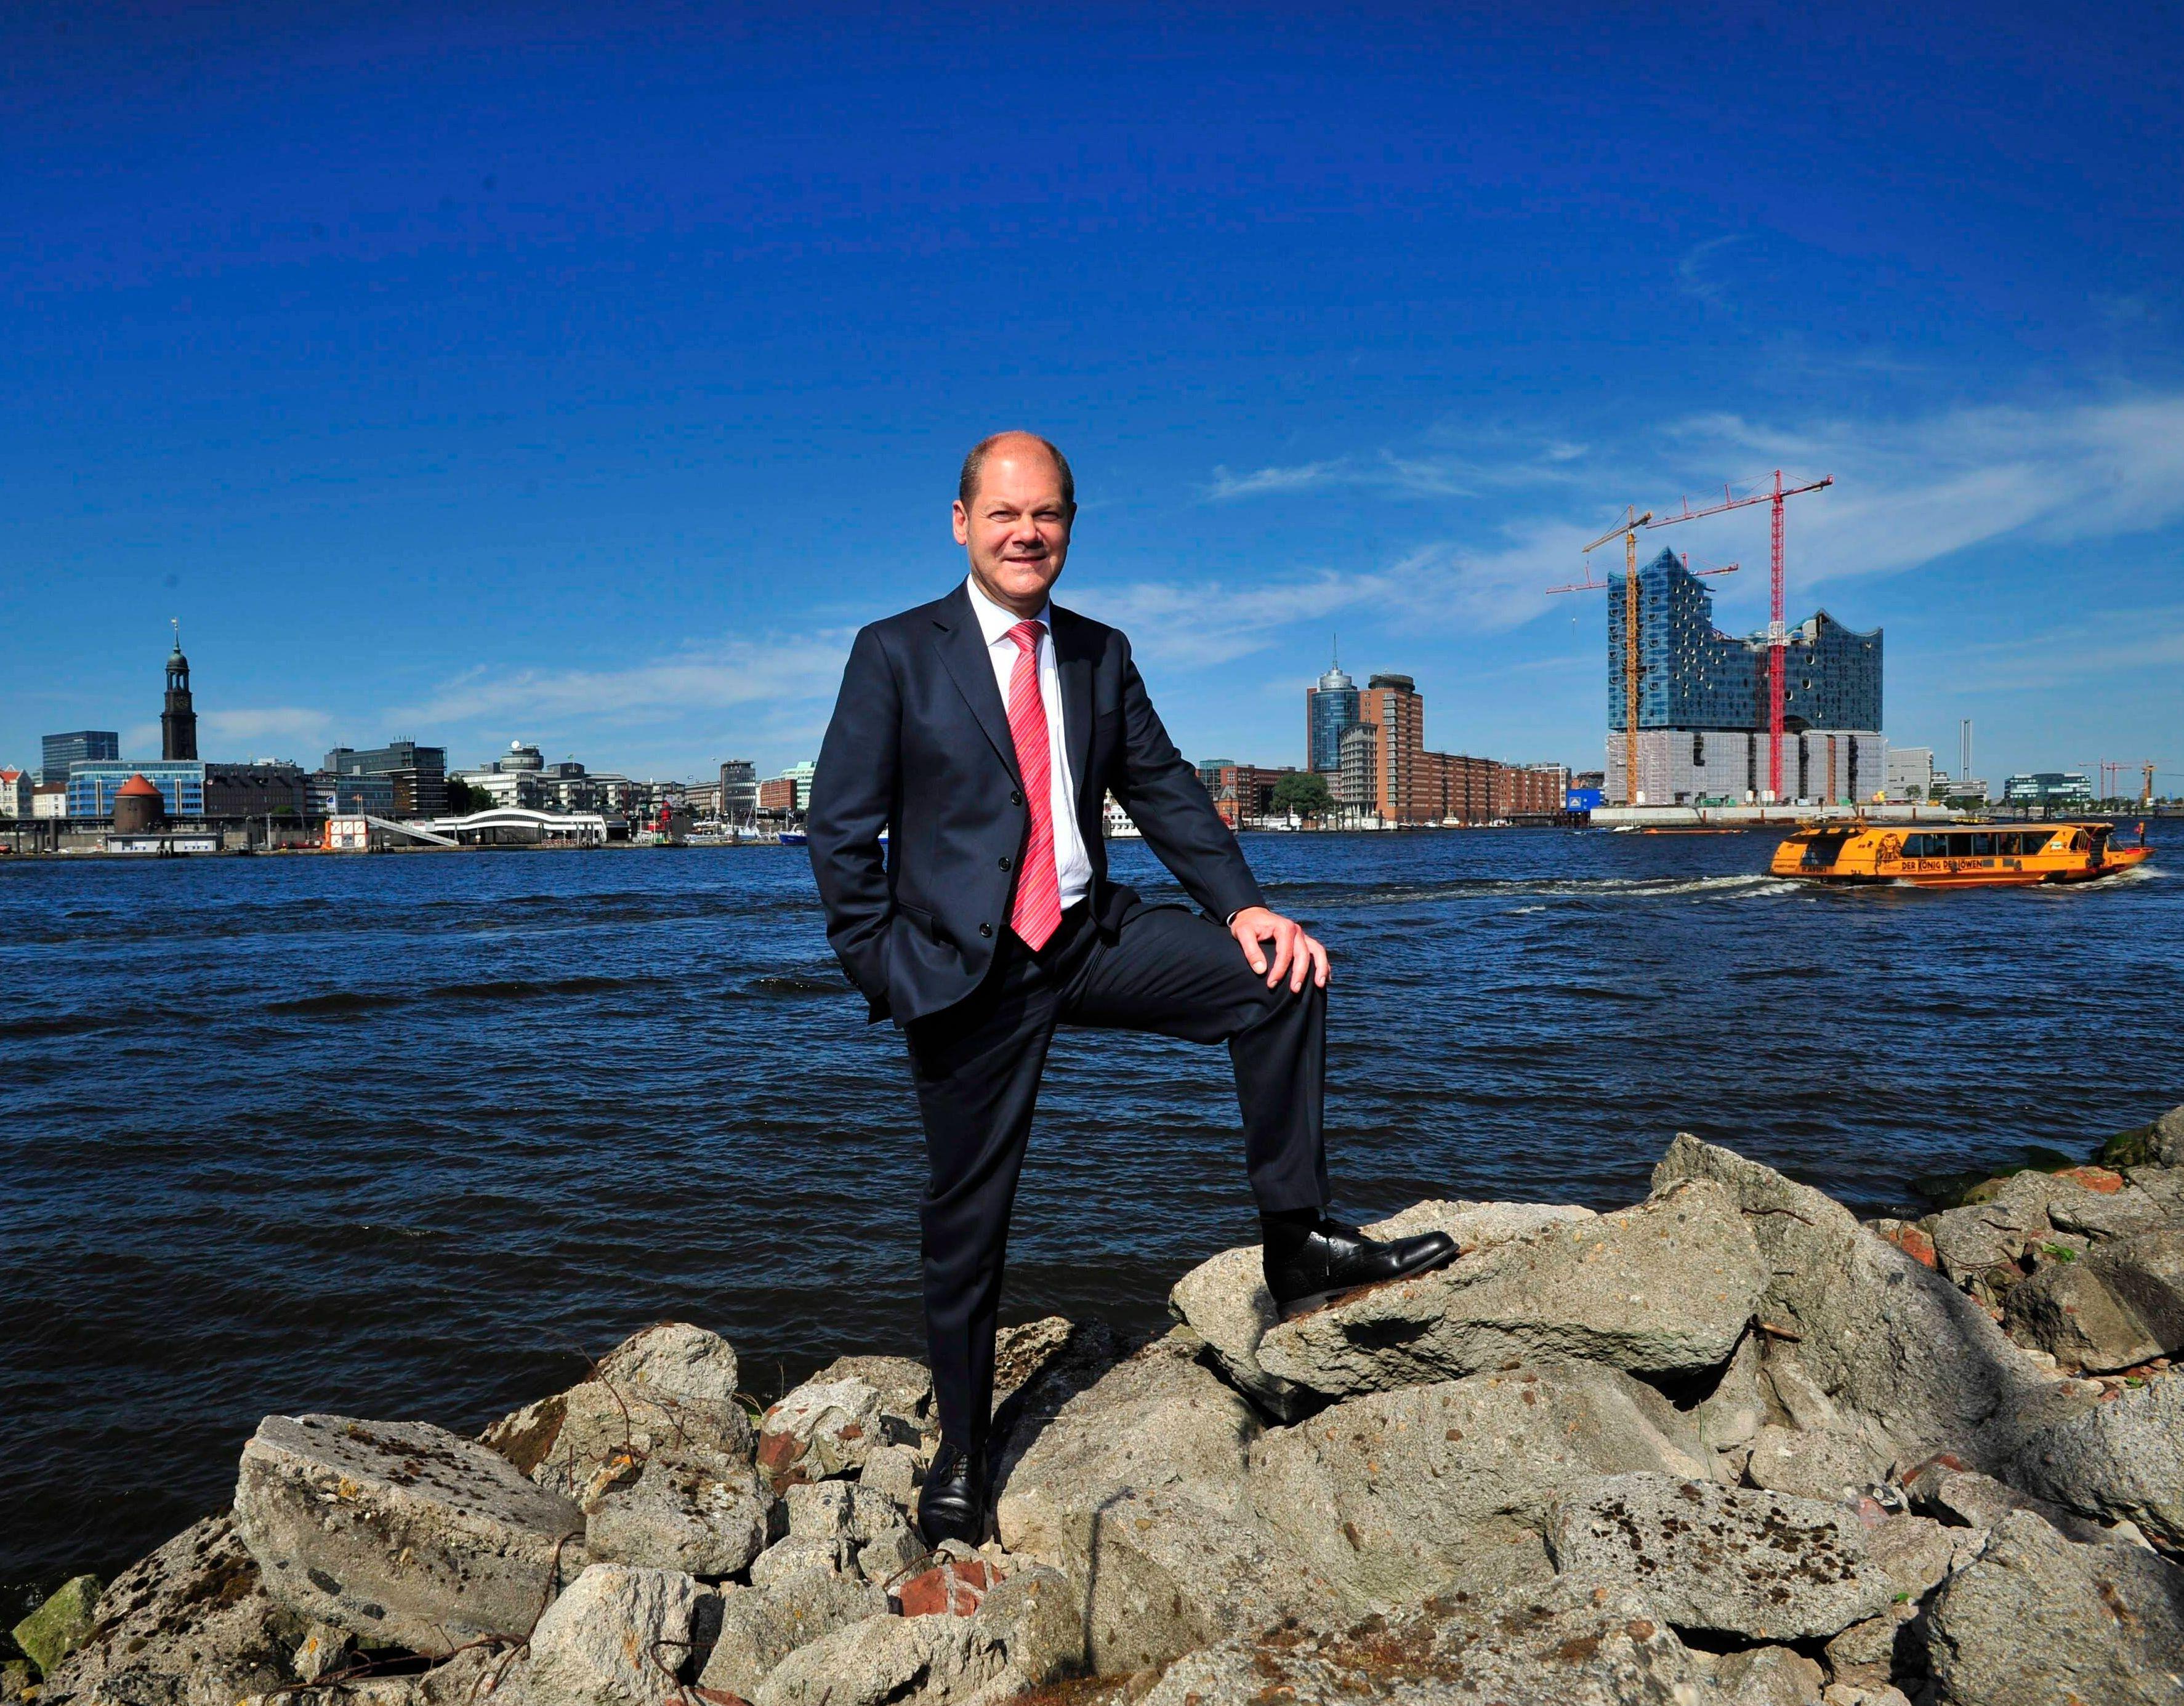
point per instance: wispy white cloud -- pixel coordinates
(1910, 493)
(1695, 275)
(1214, 621)
(1424, 474)
(1308, 477)
(732, 675)
(290, 727)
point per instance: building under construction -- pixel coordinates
(1703, 710)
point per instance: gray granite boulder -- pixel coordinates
(190, 1625)
(761, 1626)
(1834, 1464)
(677, 1359)
(679, 1508)
(1139, 1491)
(1396, 1495)
(1558, 1643)
(2119, 1305)
(1225, 1301)
(400, 1531)
(1664, 1288)
(1945, 1490)
(1764, 1676)
(2168, 1141)
(2037, 1617)
(2120, 1460)
(1023, 1632)
(616, 1637)
(868, 1532)
(670, 1387)
(1921, 1366)
(905, 1386)
(822, 1427)
(1981, 1244)
(1730, 1561)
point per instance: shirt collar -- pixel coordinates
(995, 621)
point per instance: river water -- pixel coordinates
(405, 1136)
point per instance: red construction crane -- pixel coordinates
(1778, 636)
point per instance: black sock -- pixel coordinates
(1285, 1230)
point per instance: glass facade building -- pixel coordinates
(1330, 711)
(92, 786)
(84, 746)
(1690, 675)
(420, 773)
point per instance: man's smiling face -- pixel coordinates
(1016, 528)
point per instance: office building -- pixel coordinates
(256, 790)
(2049, 790)
(420, 773)
(1910, 772)
(1330, 711)
(1703, 697)
(1356, 782)
(738, 790)
(1243, 794)
(92, 786)
(178, 717)
(332, 794)
(1522, 791)
(801, 774)
(15, 790)
(84, 746)
(49, 799)
(776, 796)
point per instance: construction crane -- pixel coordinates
(1778, 636)
(1627, 531)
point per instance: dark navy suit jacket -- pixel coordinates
(919, 746)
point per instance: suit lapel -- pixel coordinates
(962, 649)
(1075, 668)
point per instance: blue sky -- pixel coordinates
(586, 375)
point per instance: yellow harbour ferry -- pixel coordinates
(1954, 856)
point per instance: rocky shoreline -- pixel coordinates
(1727, 1445)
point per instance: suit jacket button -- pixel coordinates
(985, 929)
(1015, 799)
(1006, 862)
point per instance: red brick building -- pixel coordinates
(777, 795)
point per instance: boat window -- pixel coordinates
(2078, 842)
(1982, 845)
(2009, 845)
(1821, 850)
(1923, 846)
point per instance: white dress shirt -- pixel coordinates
(1073, 866)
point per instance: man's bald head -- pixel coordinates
(1004, 444)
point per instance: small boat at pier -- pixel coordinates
(1954, 856)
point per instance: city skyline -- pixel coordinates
(470, 376)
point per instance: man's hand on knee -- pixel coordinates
(1296, 954)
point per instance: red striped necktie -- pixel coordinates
(1037, 913)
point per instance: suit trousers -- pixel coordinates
(978, 1065)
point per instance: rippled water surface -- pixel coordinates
(402, 1136)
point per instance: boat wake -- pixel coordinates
(1741, 885)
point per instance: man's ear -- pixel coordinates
(962, 523)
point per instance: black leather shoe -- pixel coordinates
(1337, 1258)
(952, 1504)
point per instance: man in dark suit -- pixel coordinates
(982, 733)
